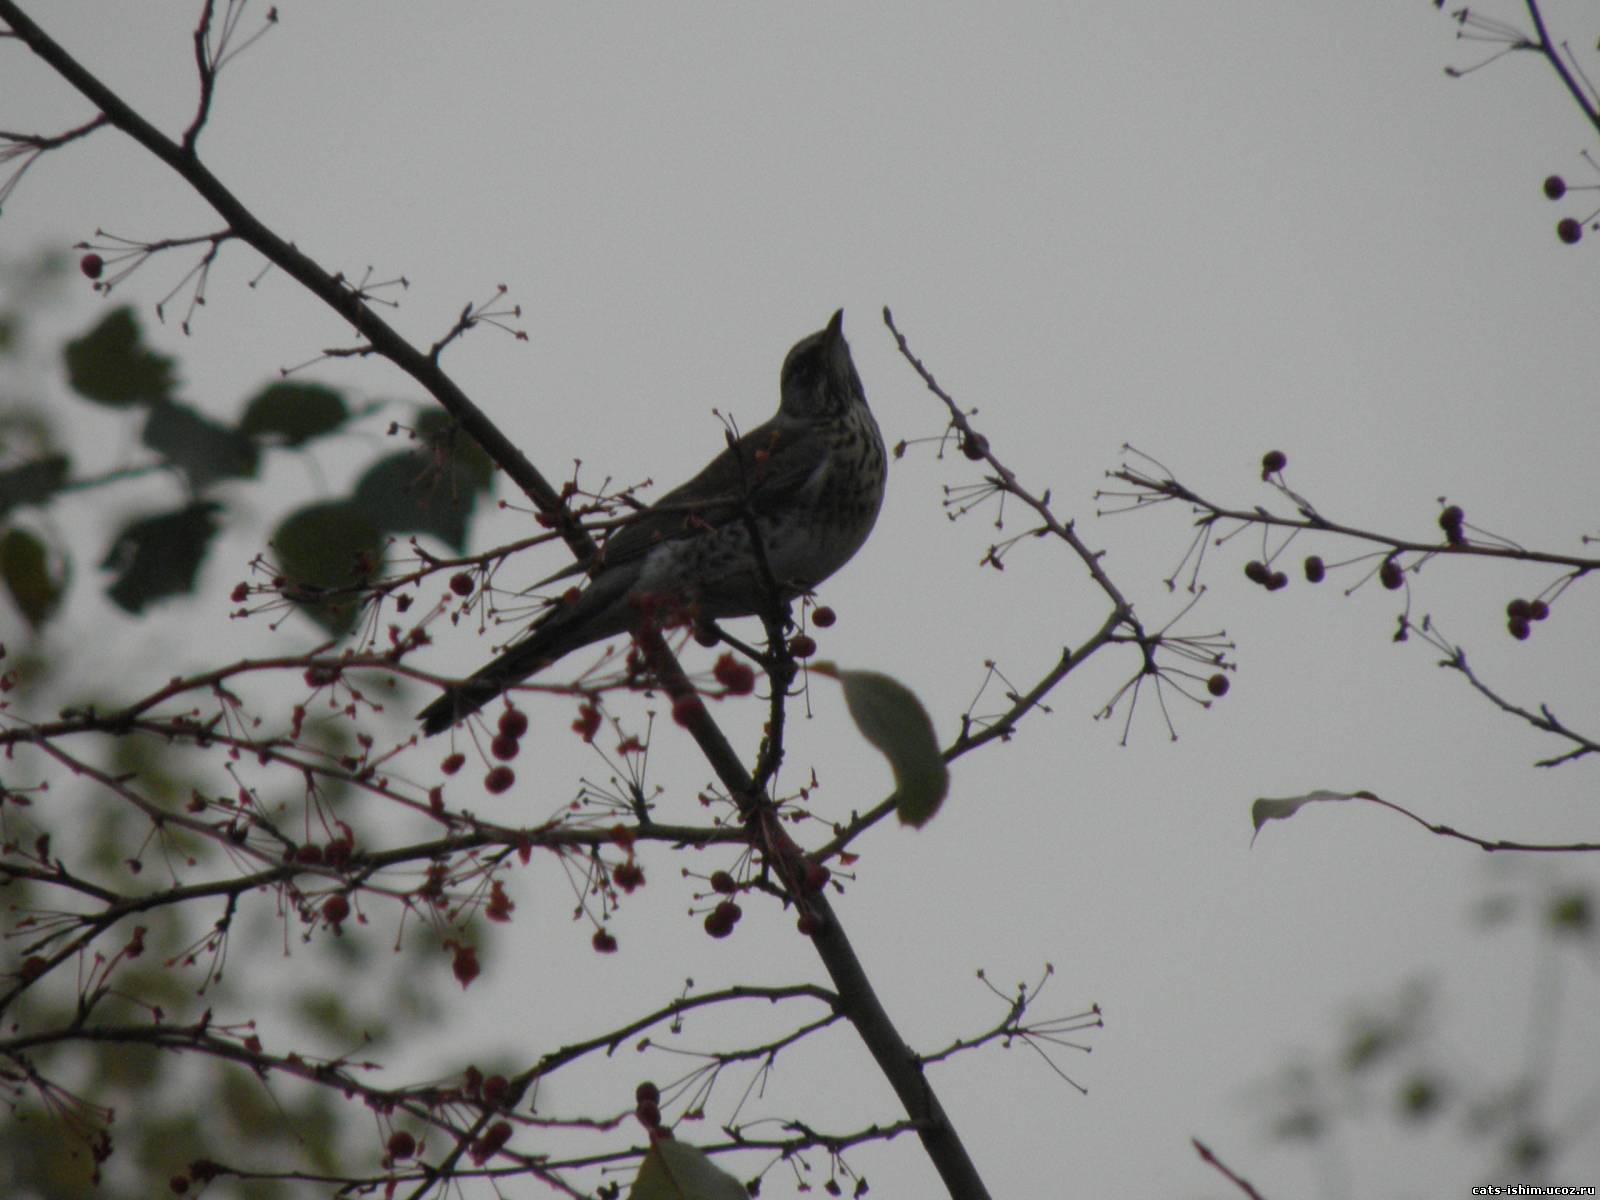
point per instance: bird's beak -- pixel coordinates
(835, 329)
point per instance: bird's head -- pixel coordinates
(819, 380)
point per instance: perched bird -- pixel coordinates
(810, 482)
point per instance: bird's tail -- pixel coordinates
(467, 697)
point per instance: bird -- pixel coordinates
(808, 483)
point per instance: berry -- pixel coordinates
(802, 645)
(513, 722)
(974, 446)
(706, 636)
(627, 876)
(499, 779)
(722, 882)
(1538, 610)
(92, 265)
(335, 910)
(461, 583)
(649, 1115)
(815, 876)
(1555, 187)
(401, 1144)
(1272, 462)
(808, 924)
(1519, 628)
(453, 763)
(721, 919)
(686, 710)
(494, 1090)
(1519, 609)
(1569, 230)
(1217, 685)
(588, 722)
(647, 1093)
(504, 748)
(1277, 581)
(1315, 569)
(823, 616)
(1390, 575)
(1257, 572)
(464, 964)
(603, 942)
(737, 677)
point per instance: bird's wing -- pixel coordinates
(764, 467)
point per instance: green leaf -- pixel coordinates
(32, 482)
(324, 547)
(294, 412)
(159, 556)
(1281, 808)
(890, 716)
(673, 1170)
(25, 568)
(431, 490)
(199, 447)
(110, 364)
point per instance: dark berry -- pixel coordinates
(504, 747)
(1272, 462)
(687, 709)
(647, 1093)
(499, 779)
(722, 882)
(1390, 575)
(627, 876)
(974, 446)
(823, 616)
(737, 677)
(603, 942)
(461, 583)
(1518, 627)
(1569, 230)
(1538, 610)
(513, 723)
(336, 910)
(802, 645)
(1217, 685)
(1555, 187)
(92, 265)
(1277, 581)
(1257, 572)
(1519, 609)
(1316, 571)
(402, 1144)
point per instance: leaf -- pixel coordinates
(890, 716)
(1281, 808)
(159, 556)
(199, 447)
(324, 547)
(25, 568)
(32, 482)
(110, 365)
(430, 490)
(294, 412)
(673, 1170)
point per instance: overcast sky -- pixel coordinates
(1208, 230)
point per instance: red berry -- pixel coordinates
(498, 780)
(452, 763)
(401, 1144)
(687, 709)
(816, 876)
(494, 1090)
(504, 747)
(802, 645)
(823, 616)
(1315, 570)
(721, 919)
(1272, 462)
(588, 722)
(1569, 230)
(513, 722)
(1390, 575)
(737, 677)
(92, 265)
(335, 910)
(461, 583)
(1257, 572)
(1555, 187)
(722, 882)
(603, 942)
(627, 876)
(1217, 685)
(464, 964)
(1519, 628)
(241, 593)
